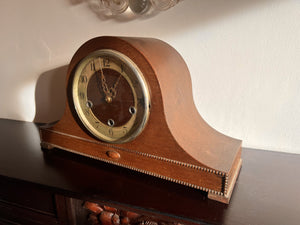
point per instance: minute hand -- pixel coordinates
(113, 89)
(103, 82)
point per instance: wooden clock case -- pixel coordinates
(176, 144)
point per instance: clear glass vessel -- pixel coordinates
(163, 4)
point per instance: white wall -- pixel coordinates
(243, 56)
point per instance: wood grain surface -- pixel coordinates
(177, 144)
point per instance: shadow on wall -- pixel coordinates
(50, 95)
(50, 88)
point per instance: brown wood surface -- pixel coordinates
(266, 192)
(177, 144)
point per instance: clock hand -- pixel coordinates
(99, 82)
(107, 92)
(110, 93)
(113, 89)
(103, 83)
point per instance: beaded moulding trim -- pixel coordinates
(207, 170)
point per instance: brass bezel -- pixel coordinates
(138, 121)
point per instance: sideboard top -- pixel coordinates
(267, 190)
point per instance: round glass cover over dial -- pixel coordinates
(111, 96)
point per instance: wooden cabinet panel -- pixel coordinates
(25, 203)
(28, 195)
(18, 214)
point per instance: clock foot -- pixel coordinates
(46, 146)
(226, 198)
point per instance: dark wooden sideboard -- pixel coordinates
(38, 187)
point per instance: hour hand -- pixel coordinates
(109, 93)
(104, 86)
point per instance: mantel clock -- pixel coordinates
(130, 103)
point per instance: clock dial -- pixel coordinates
(111, 96)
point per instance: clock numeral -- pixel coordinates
(106, 62)
(87, 112)
(135, 83)
(140, 102)
(83, 79)
(111, 132)
(81, 95)
(125, 130)
(93, 68)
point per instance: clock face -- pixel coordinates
(111, 96)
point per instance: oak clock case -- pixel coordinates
(130, 104)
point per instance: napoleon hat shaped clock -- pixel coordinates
(130, 103)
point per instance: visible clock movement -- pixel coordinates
(130, 104)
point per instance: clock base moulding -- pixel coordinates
(176, 143)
